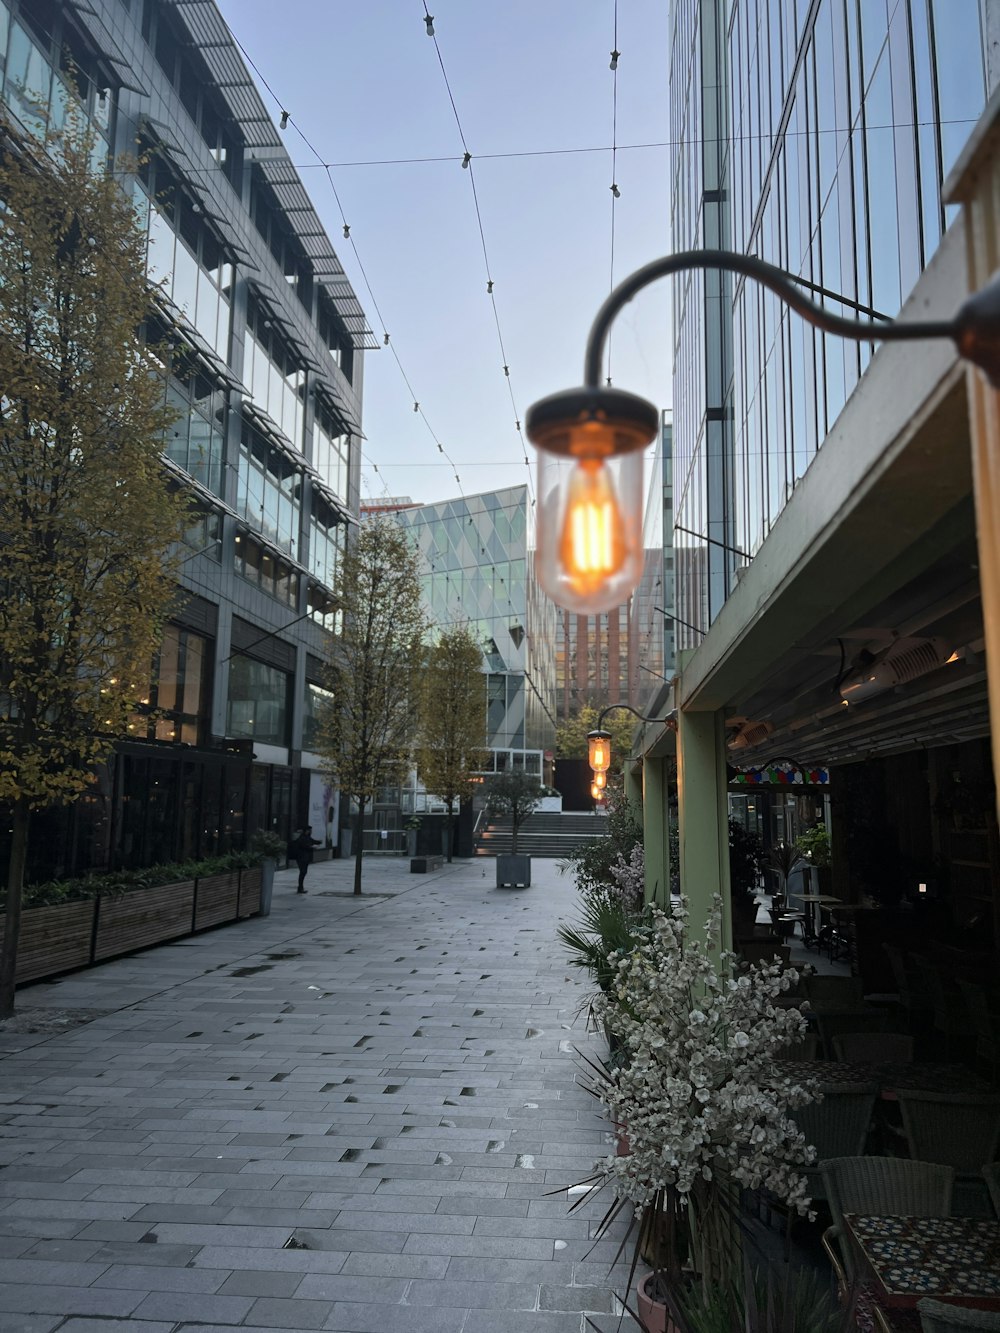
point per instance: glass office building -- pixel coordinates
(815, 135)
(261, 340)
(476, 570)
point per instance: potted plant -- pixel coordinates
(814, 847)
(705, 1107)
(412, 827)
(269, 847)
(516, 794)
(782, 859)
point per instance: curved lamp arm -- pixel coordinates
(670, 720)
(975, 329)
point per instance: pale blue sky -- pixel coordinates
(362, 81)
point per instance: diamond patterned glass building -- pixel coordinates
(476, 570)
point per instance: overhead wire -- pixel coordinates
(615, 193)
(467, 165)
(288, 119)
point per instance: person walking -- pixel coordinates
(302, 849)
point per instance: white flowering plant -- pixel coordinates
(698, 1093)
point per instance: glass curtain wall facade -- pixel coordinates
(830, 125)
(476, 571)
(261, 343)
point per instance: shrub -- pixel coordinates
(52, 893)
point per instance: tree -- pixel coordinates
(452, 720)
(515, 793)
(367, 730)
(86, 516)
(571, 734)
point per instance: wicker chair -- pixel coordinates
(891, 1048)
(878, 1186)
(833, 1023)
(936, 1317)
(959, 1129)
(806, 1049)
(836, 1126)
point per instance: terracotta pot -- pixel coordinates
(653, 1313)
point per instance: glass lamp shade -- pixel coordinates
(595, 792)
(599, 748)
(600, 780)
(589, 553)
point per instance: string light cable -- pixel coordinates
(288, 119)
(615, 192)
(467, 165)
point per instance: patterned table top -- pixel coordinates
(921, 1077)
(954, 1258)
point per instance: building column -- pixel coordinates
(632, 783)
(220, 668)
(656, 831)
(975, 183)
(703, 814)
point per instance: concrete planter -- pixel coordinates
(267, 869)
(513, 870)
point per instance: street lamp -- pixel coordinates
(589, 553)
(599, 740)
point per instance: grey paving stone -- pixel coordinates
(36, 1323)
(512, 1321)
(148, 1277)
(20, 1299)
(179, 1306)
(246, 1283)
(119, 1326)
(335, 1287)
(474, 1295)
(205, 1154)
(595, 1300)
(269, 1313)
(396, 1265)
(357, 1318)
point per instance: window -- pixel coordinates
(269, 490)
(185, 253)
(180, 690)
(258, 701)
(326, 542)
(273, 374)
(316, 700)
(330, 449)
(195, 439)
(267, 570)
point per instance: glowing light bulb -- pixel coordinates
(595, 792)
(599, 750)
(593, 545)
(600, 780)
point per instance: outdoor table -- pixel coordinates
(817, 900)
(921, 1077)
(954, 1259)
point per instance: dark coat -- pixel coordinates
(301, 848)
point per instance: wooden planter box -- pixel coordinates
(215, 899)
(250, 883)
(73, 935)
(141, 918)
(54, 939)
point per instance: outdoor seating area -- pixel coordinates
(906, 1181)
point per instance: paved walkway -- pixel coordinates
(350, 1115)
